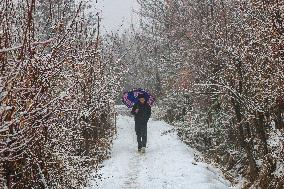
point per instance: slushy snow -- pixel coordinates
(167, 164)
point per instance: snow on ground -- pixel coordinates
(167, 163)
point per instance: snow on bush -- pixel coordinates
(57, 92)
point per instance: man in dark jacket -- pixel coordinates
(142, 113)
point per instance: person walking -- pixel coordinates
(142, 112)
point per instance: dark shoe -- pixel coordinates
(139, 149)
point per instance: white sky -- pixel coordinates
(115, 13)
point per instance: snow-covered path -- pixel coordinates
(167, 163)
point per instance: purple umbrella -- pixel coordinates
(131, 97)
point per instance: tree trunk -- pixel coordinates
(253, 172)
(261, 131)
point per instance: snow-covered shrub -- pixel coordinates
(57, 90)
(227, 56)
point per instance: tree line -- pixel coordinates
(57, 92)
(217, 69)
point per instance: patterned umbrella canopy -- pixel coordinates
(131, 97)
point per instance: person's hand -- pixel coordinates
(136, 111)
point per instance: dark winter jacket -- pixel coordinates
(144, 112)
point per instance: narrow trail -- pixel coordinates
(167, 163)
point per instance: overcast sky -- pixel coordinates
(116, 13)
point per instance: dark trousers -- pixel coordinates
(141, 132)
